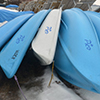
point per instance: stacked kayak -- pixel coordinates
(44, 44)
(95, 18)
(77, 57)
(10, 28)
(13, 52)
(6, 15)
(77, 54)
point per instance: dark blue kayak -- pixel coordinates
(77, 57)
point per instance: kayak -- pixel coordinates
(95, 18)
(11, 27)
(77, 57)
(13, 52)
(44, 44)
(7, 15)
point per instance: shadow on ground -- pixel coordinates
(28, 71)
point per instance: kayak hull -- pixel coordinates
(44, 44)
(14, 51)
(78, 51)
(9, 29)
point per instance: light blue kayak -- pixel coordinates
(11, 27)
(14, 51)
(95, 18)
(77, 57)
(6, 15)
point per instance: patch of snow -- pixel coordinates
(9, 9)
(56, 91)
(3, 23)
(88, 95)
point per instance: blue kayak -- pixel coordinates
(6, 15)
(9, 29)
(95, 18)
(14, 51)
(12, 6)
(77, 57)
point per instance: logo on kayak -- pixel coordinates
(15, 54)
(48, 29)
(21, 38)
(88, 44)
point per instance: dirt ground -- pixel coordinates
(29, 69)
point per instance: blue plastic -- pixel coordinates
(95, 18)
(12, 6)
(13, 52)
(6, 15)
(77, 57)
(9, 29)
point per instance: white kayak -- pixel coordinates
(44, 44)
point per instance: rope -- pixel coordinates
(15, 77)
(51, 74)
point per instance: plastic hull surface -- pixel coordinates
(14, 51)
(44, 44)
(12, 27)
(77, 57)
